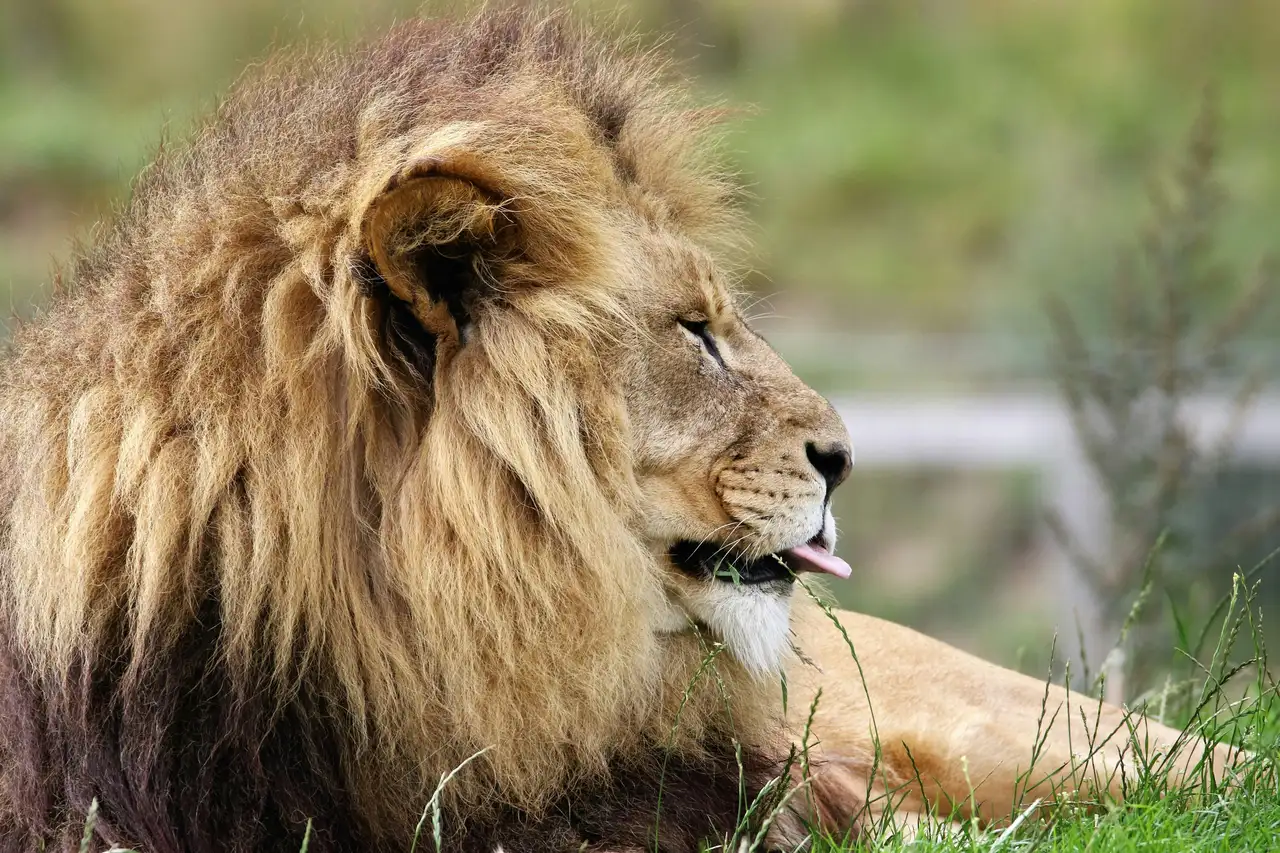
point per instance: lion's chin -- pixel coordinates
(753, 621)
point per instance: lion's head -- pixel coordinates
(406, 413)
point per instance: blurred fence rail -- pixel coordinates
(1033, 431)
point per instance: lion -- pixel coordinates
(401, 452)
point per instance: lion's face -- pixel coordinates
(735, 457)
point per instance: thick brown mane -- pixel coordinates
(262, 562)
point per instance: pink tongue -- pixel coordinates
(807, 558)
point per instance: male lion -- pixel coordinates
(405, 423)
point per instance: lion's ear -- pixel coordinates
(433, 231)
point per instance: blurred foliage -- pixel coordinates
(1128, 395)
(916, 165)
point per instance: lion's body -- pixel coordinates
(382, 435)
(920, 728)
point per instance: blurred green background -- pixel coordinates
(923, 173)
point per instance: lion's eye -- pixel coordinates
(700, 330)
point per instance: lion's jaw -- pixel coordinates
(735, 459)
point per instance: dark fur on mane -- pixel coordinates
(196, 770)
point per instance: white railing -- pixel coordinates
(1032, 431)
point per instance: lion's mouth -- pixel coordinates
(714, 561)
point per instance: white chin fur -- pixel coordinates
(753, 623)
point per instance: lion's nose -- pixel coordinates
(832, 461)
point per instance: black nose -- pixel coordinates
(832, 461)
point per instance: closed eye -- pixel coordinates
(700, 330)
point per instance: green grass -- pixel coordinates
(1247, 821)
(1230, 700)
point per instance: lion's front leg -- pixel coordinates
(959, 736)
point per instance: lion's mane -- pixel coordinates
(261, 562)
